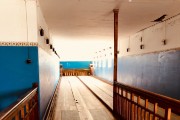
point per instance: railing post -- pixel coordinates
(167, 113)
(132, 107)
(116, 11)
(146, 106)
(35, 111)
(22, 113)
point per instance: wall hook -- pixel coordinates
(141, 39)
(164, 42)
(141, 46)
(51, 46)
(47, 41)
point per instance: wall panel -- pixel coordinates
(75, 64)
(156, 72)
(16, 76)
(48, 77)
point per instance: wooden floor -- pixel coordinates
(76, 102)
(103, 90)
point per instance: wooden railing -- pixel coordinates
(25, 108)
(50, 110)
(76, 72)
(135, 104)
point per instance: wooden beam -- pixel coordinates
(116, 11)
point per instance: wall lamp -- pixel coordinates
(51, 46)
(141, 46)
(41, 32)
(164, 42)
(47, 41)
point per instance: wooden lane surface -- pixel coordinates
(76, 102)
(101, 89)
(65, 106)
(107, 88)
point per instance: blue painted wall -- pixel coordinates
(156, 72)
(75, 64)
(105, 72)
(15, 75)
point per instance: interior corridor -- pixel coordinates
(90, 98)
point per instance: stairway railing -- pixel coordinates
(25, 108)
(136, 104)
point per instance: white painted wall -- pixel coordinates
(152, 38)
(42, 24)
(48, 63)
(13, 21)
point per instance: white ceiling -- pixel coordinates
(81, 27)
